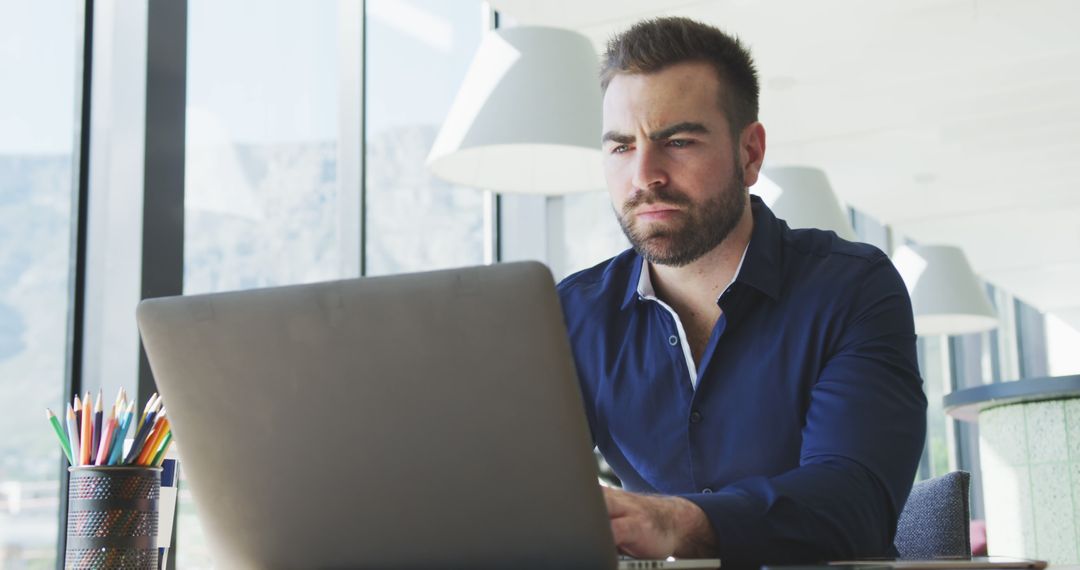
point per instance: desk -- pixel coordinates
(1029, 454)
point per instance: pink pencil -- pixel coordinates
(104, 446)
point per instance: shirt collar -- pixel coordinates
(758, 268)
(763, 268)
(645, 287)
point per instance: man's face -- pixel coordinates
(672, 168)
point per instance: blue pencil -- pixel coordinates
(121, 432)
(140, 436)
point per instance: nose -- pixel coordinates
(649, 170)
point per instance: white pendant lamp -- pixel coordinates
(946, 296)
(802, 197)
(528, 116)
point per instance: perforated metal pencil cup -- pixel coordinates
(112, 519)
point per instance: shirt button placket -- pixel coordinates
(695, 418)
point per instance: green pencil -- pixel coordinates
(64, 443)
(164, 448)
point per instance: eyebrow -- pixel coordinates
(667, 132)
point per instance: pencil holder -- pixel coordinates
(112, 519)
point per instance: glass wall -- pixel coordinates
(38, 56)
(115, 205)
(1062, 338)
(934, 365)
(272, 188)
(591, 232)
(416, 55)
(265, 203)
(261, 185)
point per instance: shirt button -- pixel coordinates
(673, 340)
(706, 490)
(695, 417)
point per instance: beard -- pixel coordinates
(701, 228)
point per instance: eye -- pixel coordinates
(679, 143)
(620, 149)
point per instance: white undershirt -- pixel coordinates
(645, 291)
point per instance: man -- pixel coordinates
(754, 387)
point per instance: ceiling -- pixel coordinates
(952, 121)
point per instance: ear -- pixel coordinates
(751, 152)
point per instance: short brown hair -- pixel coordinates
(652, 45)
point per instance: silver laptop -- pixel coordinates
(424, 420)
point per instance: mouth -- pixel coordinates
(656, 213)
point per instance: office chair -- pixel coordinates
(935, 522)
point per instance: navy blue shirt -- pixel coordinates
(802, 437)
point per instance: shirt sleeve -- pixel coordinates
(864, 433)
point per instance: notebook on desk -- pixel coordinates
(424, 420)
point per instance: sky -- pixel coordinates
(38, 49)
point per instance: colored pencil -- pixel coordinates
(118, 435)
(64, 443)
(140, 437)
(73, 435)
(102, 453)
(78, 412)
(96, 436)
(119, 399)
(146, 410)
(149, 449)
(155, 426)
(116, 455)
(159, 458)
(87, 436)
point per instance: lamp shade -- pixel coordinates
(946, 296)
(528, 116)
(802, 197)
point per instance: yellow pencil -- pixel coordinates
(150, 448)
(119, 398)
(160, 457)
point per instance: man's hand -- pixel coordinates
(653, 526)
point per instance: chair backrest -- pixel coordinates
(935, 522)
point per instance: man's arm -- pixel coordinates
(864, 433)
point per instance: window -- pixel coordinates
(272, 188)
(591, 233)
(934, 365)
(416, 55)
(269, 194)
(115, 203)
(1062, 338)
(263, 203)
(38, 113)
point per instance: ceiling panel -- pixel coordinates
(955, 121)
